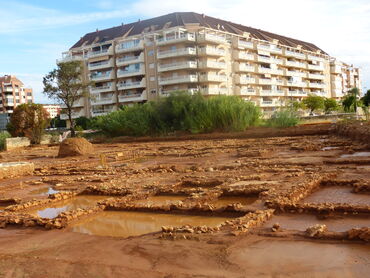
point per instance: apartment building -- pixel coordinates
(52, 109)
(149, 59)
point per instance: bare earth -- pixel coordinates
(198, 167)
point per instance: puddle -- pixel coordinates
(161, 199)
(226, 200)
(329, 148)
(125, 224)
(337, 195)
(356, 154)
(67, 205)
(43, 191)
(301, 222)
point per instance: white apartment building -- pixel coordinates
(192, 52)
(52, 109)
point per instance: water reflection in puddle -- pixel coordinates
(337, 195)
(301, 222)
(356, 154)
(226, 200)
(44, 191)
(329, 148)
(82, 202)
(125, 224)
(161, 199)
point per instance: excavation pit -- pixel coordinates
(337, 195)
(300, 222)
(126, 224)
(82, 202)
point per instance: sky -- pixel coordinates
(34, 33)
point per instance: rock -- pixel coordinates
(316, 230)
(75, 147)
(275, 227)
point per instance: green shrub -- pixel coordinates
(181, 112)
(3, 136)
(283, 118)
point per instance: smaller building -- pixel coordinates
(52, 109)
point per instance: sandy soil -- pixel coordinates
(278, 164)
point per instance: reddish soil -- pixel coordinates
(259, 172)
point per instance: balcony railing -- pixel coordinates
(212, 78)
(211, 38)
(212, 64)
(127, 46)
(126, 73)
(100, 65)
(70, 58)
(107, 51)
(247, 91)
(132, 97)
(315, 76)
(176, 52)
(101, 76)
(100, 89)
(241, 55)
(214, 91)
(101, 100)
(245, 80)
(296, 84)
(211, 51)
(245, 44)
(190, 78)
(176, 38)
(295, 64)
(245, 68)
(297, 93)
(295, 73)
(130, 60)
(177, 66)
(131, 85)
(318, 68)
(295, 54)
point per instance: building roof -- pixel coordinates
(182, 18)
(9, 79)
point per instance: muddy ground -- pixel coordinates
(252, 203)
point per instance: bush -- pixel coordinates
(181, 112)
(29, 120)
(283, 118)
(3, 136)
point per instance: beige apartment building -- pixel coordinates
(149, 59)
(52, 109)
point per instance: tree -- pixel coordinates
(330, 105)
(29, 120)
(66, 86)
(366, 99)
(350, 101)
(313, 103)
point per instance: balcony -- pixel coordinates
(103, 99)
(78, 103)
(188, 51)
(245, 91)
(244, 68)
(102, 89)
(212, 78)
(189, 91)
(269, 103)
(212, 65)
(266, 81)
(101, 65)
(295, 73)
(8, 89)
(214, 91)
(276, 50)
(318, 68)
(70, 58)
(320, 93)
(211, 38)
(264, 59)
(316, 85)
(244, 80)
(128, 46)
(128, 73)
(297, 55)
(187, 37)
(178, 66)
(271, 93)
(277, 61)
(211, 51)
(101, 112)
(296, 84)
(176, 79)
(242, 55)
(270, 71)
(244, 44)
(315, 76)
(131, 85)
(102, 76)
(296, 93)
(139, 97)
(130, 60)
(102, 52)
(295, 64)
(315, 58)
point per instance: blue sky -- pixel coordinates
(34, 33)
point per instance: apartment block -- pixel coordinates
(52, 109)
(149, 59)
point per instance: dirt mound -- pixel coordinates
(75, 147)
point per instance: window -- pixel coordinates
(152, 78)
(153, 91)
(150, 52)
(151, 65)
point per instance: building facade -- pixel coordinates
(13, 93)
(192, 52)
(52, 109)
